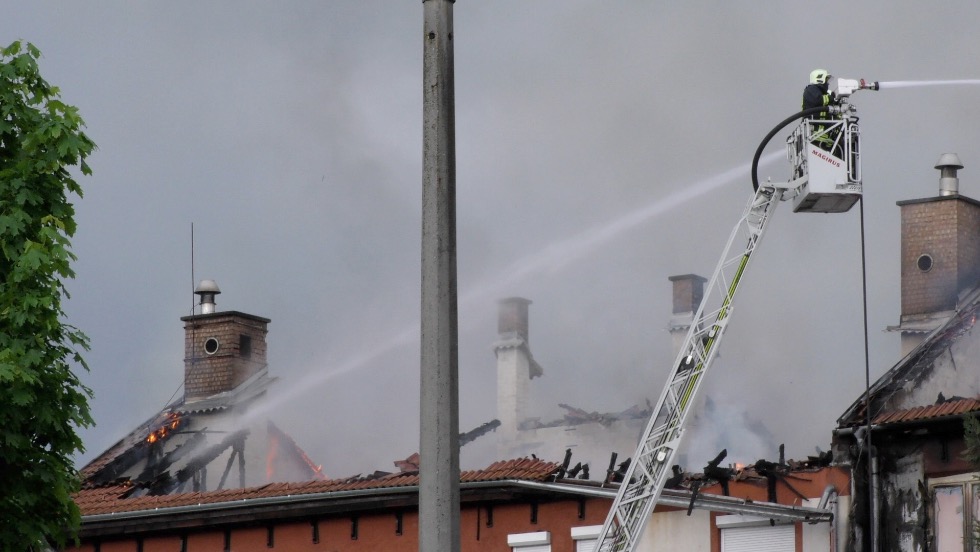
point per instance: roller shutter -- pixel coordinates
(781, 538)
(535, 548)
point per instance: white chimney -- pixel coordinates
(515, 367)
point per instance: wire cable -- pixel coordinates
(867, 385)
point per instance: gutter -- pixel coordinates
(713, 503)
(669, 497)
(248, 502)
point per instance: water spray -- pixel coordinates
(917, 84)
(550, 259)
(846, 87)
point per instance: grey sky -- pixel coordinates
(290, 135)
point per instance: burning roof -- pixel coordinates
(119, 497)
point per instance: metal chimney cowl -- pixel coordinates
(949, 183)
(207, 289)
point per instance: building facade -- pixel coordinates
(914, 491)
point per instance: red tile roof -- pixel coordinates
(112, 498)
(953, 407)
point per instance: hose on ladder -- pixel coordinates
(777, 128)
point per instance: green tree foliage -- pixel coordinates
(971, 453)
(971, 439)
(42, 402)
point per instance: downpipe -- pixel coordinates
(828, 501)
(862, 438)
(875, 501)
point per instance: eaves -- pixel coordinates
(305, 506)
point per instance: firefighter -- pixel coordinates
(816, 94)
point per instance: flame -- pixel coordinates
(173, 422)
(271, 456)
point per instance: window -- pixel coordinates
(924, 262)
(586, 538)
(741, 533)
(955, 511)
(244, 346)
(530, 542)
(780, 538)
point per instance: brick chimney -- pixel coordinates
(940, 254)
(688, 293)
(221, 349)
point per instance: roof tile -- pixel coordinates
(953, 407)
(113, 498)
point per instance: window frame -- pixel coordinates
(538, 541)
(969, 485)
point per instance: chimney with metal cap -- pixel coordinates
(948, 164)
(222, 350)
(207, 289)
(940, 259)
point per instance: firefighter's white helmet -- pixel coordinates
(819, 76)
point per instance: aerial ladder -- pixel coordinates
(825, 155)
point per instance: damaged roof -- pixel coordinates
(108, 508)
(918, 366)
(170, 452)
(115, 498)
(248, 391)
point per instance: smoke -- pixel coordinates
(292, 137)
(553, 258)
(557, 256)
(724, 423)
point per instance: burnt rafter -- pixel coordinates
(695, 489)
(237, 451)
(143, 444)
(201, 461)
(577, 416)
(579, 470)
(411, 464)
(720, 474)
(675, 480)
(154, 469)
(118, 466)
(617, 474)
(195, 468)
(775, 473)
(478, 432)
(563, 470)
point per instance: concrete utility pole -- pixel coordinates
(439, 440)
